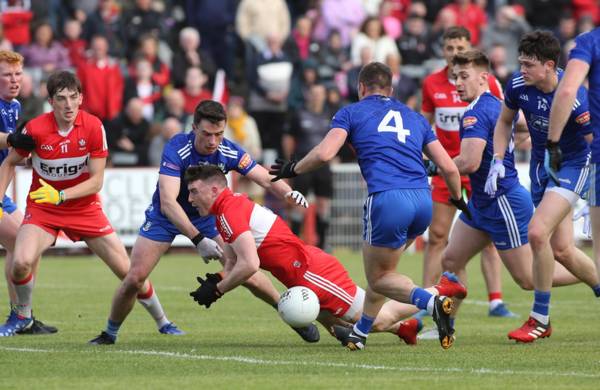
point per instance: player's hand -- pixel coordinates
(296, 198)
(462, 206)
(283, 169)
(21, 141)
(47, 194)
(430, 168)
(496, 171)
(207, 293)
(214, 278)
(553, 160)
(209, 249)
(587, 224)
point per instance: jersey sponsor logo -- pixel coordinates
(469, 121)
(448, 118)
(583, 118)
(439, 95)
(539, 123)
(245, 161)
(524, 97)
(60, 169)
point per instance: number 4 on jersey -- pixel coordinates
(392, 122)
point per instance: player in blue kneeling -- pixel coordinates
(389, 139)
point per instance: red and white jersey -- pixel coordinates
(61, 158)
(441, 99)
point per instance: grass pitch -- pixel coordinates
(241, 343)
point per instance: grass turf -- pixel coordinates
(240, 342)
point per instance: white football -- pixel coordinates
(298, 306)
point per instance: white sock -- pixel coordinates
(24, 290)
(541, 318)
(152, 305)
(430, 304)
(494, 303)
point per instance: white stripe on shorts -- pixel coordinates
(369, 227)
(510, 221)
(328, 286)
(592, 191)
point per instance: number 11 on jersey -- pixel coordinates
(392, 122)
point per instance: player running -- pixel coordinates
(389, 140)
(68, 170)
(259, 238)
(554, 192)
(444, 109)
(171, 214)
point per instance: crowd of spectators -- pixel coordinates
(145, 64)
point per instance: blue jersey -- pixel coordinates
(179, 153)
(587, 49)
(9, 115)
(536, 104)
(388, 138)
(479, 121)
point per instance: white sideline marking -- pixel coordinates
(255, 361)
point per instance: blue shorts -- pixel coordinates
(594, 192)
(572, 178)
(158, 228)
(8, 205)
(392, 217)
(505, 220)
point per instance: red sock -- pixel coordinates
(495, 295)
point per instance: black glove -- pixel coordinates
(283, 169)
(554, 155)
(462, 206)
(208, 292)
(430, 168)
(21, 141)
(214, 278)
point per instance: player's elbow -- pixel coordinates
(469, 167)
(565, 92)
(325, 154)
(449, 169)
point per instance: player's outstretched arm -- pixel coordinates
(503, 131)
(471, 151)
(261, 176)
(92, 185)
(169, 190)
(7, 170)
(246, 264)
(565, 96)
(324, 152)
(446, 166)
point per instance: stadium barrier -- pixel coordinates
(128, 191)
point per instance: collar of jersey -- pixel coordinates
(217, 205)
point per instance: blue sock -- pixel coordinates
(596, 290)
(363, 326)
(112, 328)
(420, 297)
(541, 303)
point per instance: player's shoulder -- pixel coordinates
(437, 77)
(230, 149)
(516, 81)
(588, 38)
(41, 123)
(179, 140)
(484, 105)
(88, 121)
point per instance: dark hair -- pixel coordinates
(475, 57)
(541, 45)
(205, 172)
(375, 75)
(456, 32)
(60, 80)
(363, 27)
(209, 110)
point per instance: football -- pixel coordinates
(298, 306)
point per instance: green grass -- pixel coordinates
(240, 342)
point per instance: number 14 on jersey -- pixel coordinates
(392, 122)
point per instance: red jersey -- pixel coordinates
(61, 159)
(441, 99)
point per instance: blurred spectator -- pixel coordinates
(148, 49)
(545, 14)
(334, 100)
(333, 59)
(372, 34)
(432, 9)
(585, 24)
(139, 21)
(366, 56)
(141, 85)
(215, 21)
(31, 104)
(302, 36)
(256, 20)
(189, 54)
(173, 105)
(127, 136)
(269, 88)
(107, 20)
(498, 64)
(372, 7)
(413, 42)
(565, 32)
(405, 88)
(102, 81)
(16, 19)
(345, 16)
(506, 30)
(300, 85)
(396, 9)
(73, 42)
(195, 90)
(589, 8)
(5, 44)
(471, 16)
(308, 127)
(170, 127)
(241, 128)
(445, 19)
(45, 52)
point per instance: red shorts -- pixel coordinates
(328, 278)
(89, 222)
(440, 192)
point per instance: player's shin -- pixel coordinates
(149, 300)
(24, 291)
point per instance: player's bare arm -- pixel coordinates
(566, 93)
(469, 159)
(93, 184)
(169, 190)
(503, 131)
(7, 170)
(246, 264)
(261, 176)
(324, 152)
(446, 166)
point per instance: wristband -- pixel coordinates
(61, 197)
(1, 205)
(197, 238)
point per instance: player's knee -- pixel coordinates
(524, 282)
(437, 236)
(450, 263)
(537, 235)
(563, 254)
(134, 281)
